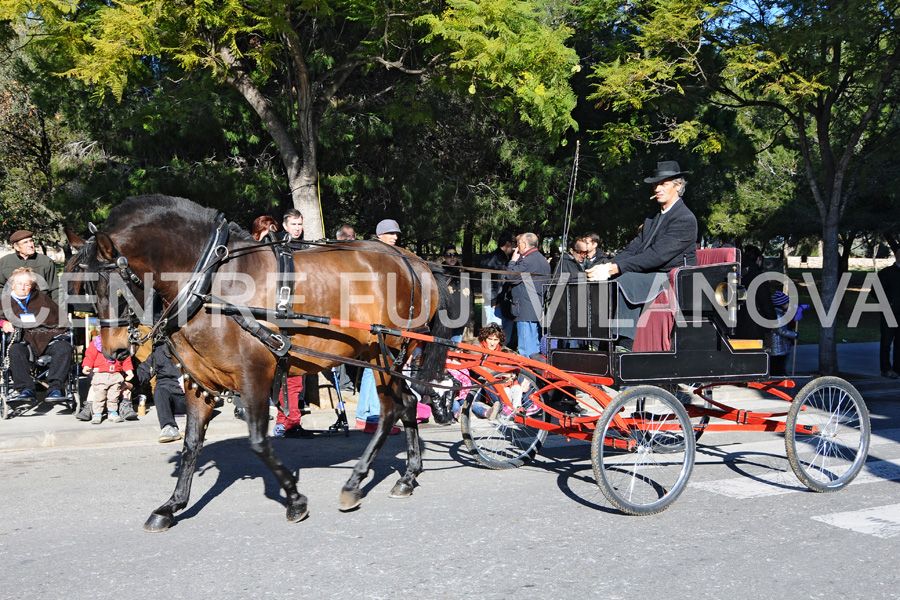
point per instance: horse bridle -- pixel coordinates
(185, 304)
(130, 318)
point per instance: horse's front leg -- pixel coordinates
(257, 411)
(199, 412)
(407, 483)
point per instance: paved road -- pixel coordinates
(71, 525)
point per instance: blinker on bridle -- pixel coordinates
(120, 264)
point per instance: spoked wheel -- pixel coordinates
(827, 434)
(500, 443)
(643, 450)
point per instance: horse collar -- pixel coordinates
(189, 299)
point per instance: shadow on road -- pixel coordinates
(231, 461)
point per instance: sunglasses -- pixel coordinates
(582, 252)
(451, 254)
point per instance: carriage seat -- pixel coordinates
(655, 326)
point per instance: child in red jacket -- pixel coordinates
(106, 384)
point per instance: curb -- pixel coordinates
(59, 429)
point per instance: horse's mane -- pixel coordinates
(157, 209)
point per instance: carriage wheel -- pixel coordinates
(827, 434)
(500, 443)
(643, 462)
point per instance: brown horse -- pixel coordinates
(161, 238)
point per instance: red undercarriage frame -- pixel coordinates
(497, 369)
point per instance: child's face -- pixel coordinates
(493, 342)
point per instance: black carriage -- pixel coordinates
(644, 409)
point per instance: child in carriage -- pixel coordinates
(106, 383)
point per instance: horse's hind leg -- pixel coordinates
(198, 415)
(407, 483)
(258, 421)
(351, 494)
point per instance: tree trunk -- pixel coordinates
(893, 240)
(846, 251)
(828, 360)
(785, 253)
(301, 170)
(468, 243)
(305, 189)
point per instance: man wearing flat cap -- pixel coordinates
(668, 239)
(24, 255)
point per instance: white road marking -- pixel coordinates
(732, 444)
(880, 521)
(785, 482)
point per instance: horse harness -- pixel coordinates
(196, 293)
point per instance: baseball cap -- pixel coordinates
(387, 226)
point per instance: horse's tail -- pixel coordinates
(434, 355)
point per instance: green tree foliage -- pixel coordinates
(514, 47)
(32, 134)
(828, 69)
(296, 63)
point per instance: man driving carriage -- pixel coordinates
(667, 240)
(38, 317)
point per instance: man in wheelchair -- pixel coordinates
(37, 317)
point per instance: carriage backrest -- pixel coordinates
(693, 285)
(713, 256)
(654, 332)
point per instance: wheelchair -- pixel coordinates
(72, 389)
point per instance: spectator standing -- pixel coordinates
(751, 268)
(496, 305)
(889, 278)
(264, 228)
(368, 407)
(528, 271)
(107, 379)
(289, 425)
(344, 233)
(780, 340)
(594, 255)
(460, 292)
(25, 255)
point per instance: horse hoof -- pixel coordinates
(158, 523)
(401, 490)
(297, 512)
(350, 499)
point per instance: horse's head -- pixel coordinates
(101, 275)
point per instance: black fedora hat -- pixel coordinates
(666, 169)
